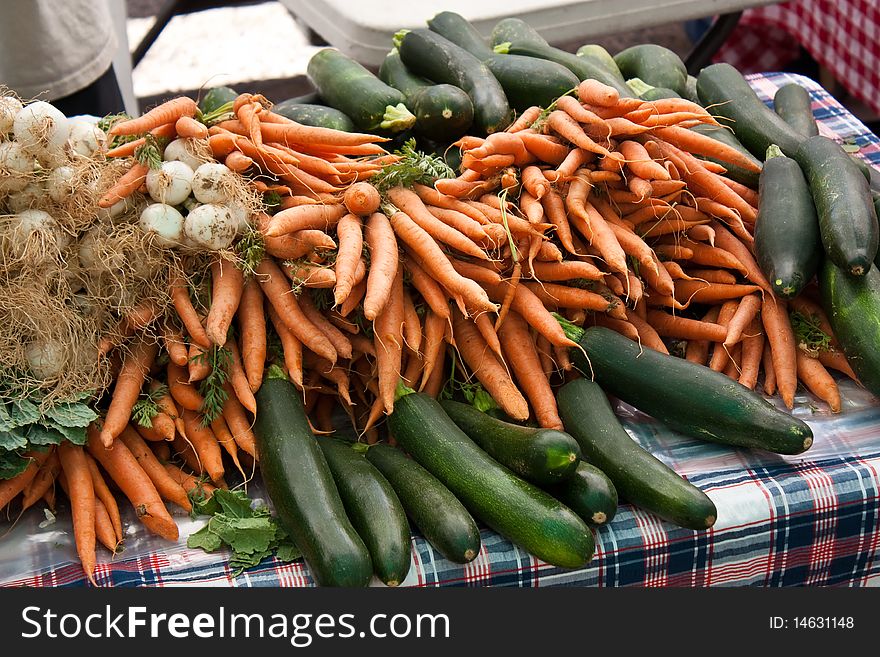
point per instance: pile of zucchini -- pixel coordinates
(818, 210)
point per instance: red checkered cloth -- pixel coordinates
(842, 35)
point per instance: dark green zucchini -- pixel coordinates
(726, 136)
(440, 517)
(655, 65)
(372, 505)
(755, 124)
(589, 493)
(526, 81)
(316, 115)
(430, 55)
(852, 304)
(443, 112)
(639, 477)
(690, 90)
(792, 103)
(542, 456)
(516, 37)
(215, 98)
(658, 93)
(511, 506)
(787, 242)
(349, 87)
(688, 398)
(601, 57)
(843, 203)
(301, 487)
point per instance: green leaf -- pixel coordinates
(72, 415)
(287, 551)
(76, 435)
(12, 440)
(204, 539)
(6, 421)
(235, 504)
(12, 464)
(24, 412)
(39, 434)
(244, 534)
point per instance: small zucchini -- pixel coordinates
(792, 103)
(589, 493)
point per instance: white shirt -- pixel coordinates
(53, 48)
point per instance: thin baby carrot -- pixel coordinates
(167, 488)
(780, 336)
(82, 503)
(135, 368)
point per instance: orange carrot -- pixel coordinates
(430, 290)
(104, 527)
(182, 392)
(752, 350)
(167, 488)
(252, 329)
(566, 271)
(699, 292)
(593, 92)
(161, 427)
(238, 379)
(697, 351)
(174, 344)
(747, 310)
(593, 226)
(279, 294)
(361, 199)
(227, 287)
(569, 129)
(167, 112)
(648, 336)
(672, 326)
(711, 275)
(780, 336)
(179, 291)
(82, 503)
(814, 375)
(103, 493)
(554, 210)
(382, 245)
(42, 481)
(388, 338)
(131, 378)
(127, 185)
(520, 352)
(205, 444)
(194, 486)
(198, 365)
(303, 217)
(188, 127)
(124, 469)
(726, 240)
(531, 308)
(238, 423)
(340, 342)
(432, 259)
(349, 231)
(487, 369)
(699, 144)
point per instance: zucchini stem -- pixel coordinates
(397, 118)
(502, 48)
(773, 151)
(572, 331)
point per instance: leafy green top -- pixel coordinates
(413, 167)
(211, 388)
(249, 531)
(147, 406)
(808, 333)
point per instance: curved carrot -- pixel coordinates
(594, 92)
(673, 326)
(238, 423)
(291, 347)
(524, 120)
(103, 493)
(382, 245)
(124, 469)
(194, 486)
(520, 352)
(181, 391)
(167, 112)
(388, 338)
(814, 375)
(752, 350)
(129, 381)
(179, 290)
(197, 364)
(430, 290)
(570, 130)
(349, 231)
(487, 369)
(161, 427)
(167, 488)
(42, 481)
(238, 379)
(748, 309)
(303, 217)
(127, 185)
(252, 330)
(205, 444)
(188, 127)
(278, 292)
(227, 288)
(82, 503)
(340, 342)
(433, 344)
(104, 527)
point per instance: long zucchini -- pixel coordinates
(301, 487)
(638, 475)
(432, 56)
(511, 506)
(541, 456)
(787, 243)
(688, 398)
(373, 508)
(843, 203)
(346, 85)
(724, 88)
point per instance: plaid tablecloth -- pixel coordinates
(813, 519)
(842, 35)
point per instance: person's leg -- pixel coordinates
(100, 98)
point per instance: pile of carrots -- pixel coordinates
(600, 209)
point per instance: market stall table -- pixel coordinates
(812, 519)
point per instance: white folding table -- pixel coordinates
(363, 29)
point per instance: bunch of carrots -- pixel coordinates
(599, 209)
